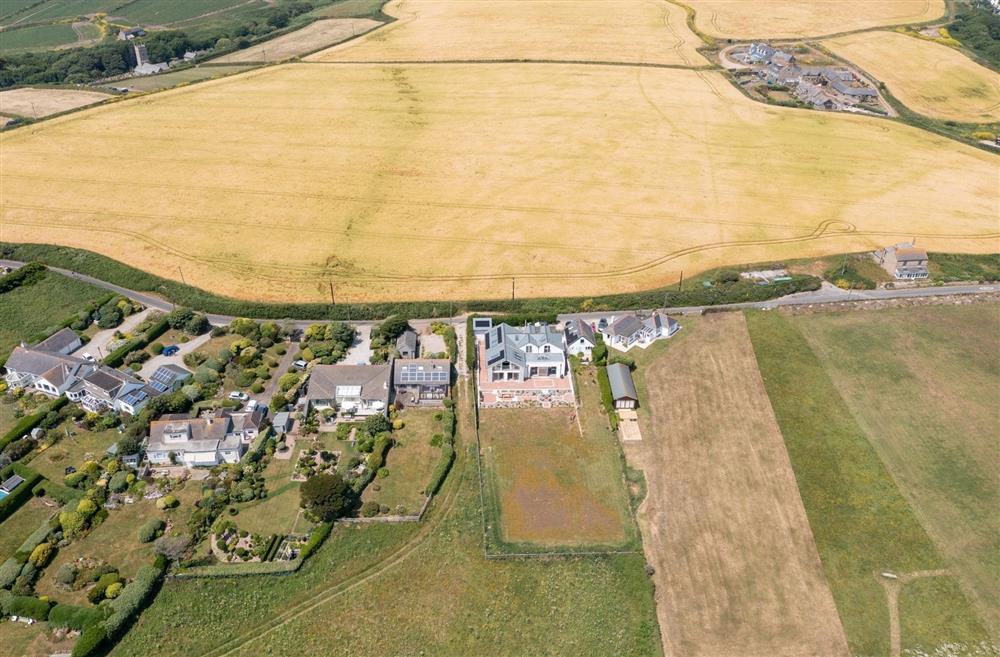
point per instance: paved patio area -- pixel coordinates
(628, 426)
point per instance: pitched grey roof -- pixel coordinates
(373, 379)
(620, 378)
(59, 341)
(576, 329)
(32, 361)
(625, 326)
(407, 342)
(505, 342)
(201, 434)
(421, 371)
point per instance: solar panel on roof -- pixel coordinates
(159, 386)
(422, 374)
(133, 398)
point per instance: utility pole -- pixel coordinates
(512, 289)
(680, 286)
(333, 296)
(182, 274)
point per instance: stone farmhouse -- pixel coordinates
(635, 330)
(203, 441)
(904, 261)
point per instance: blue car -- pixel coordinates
(170, 350)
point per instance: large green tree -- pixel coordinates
(326, 496)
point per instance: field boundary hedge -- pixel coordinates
(117, 273)
(22, 493)
(29, 422)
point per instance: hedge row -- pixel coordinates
(447, 454)
(272, 547)
(117, 357)
(607, 400)
(75, 617)
(22, 493)
(23, 605)
(26, 275)
(316, 538)
(29, 422)
(374, 461)
(115, 272)
(58, 492)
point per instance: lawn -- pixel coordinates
(31, 309)
(963, 267)
(929, 78)
(736, 567)
(7, 417)
(218, 148)
(72, 450)
(861, 521)
(16, 527)
(440, 595)
(927, 401)
(278, 513)
(549, 486)
(410, 462)
(36, 37)
(20, 640)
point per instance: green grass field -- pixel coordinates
(175, 78)
(410, 463)
(860, 520)
(278, 512)
(30, 309)
(33, 11)
(37, 37)
(157, 12)
(964, 267)
(928, 404)
(21, 523)
(429, 580)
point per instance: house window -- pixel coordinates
(547, 349)
(528, 349)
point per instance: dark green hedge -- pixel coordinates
(115, 272)
(607, 400)
(447, 454)
(316, 539)
(117, 357)
(91, 641)
(26, 275)
(22, 493)
(75, 617)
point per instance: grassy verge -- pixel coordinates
(112, 271)
(949, 267)
(861, 522)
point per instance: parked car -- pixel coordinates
(170, 350)
(69, 470)
(252, 405)
(89, 357)
(299, 364)
(239, 396)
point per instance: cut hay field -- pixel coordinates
(737, 571)
(36, 103)
(549, 485)
(773, 19)
(927, 77)
(862, 521)
(309, 39)
(635, 31)
(272, 183)
(928, 403)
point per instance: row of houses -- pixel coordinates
(48, 368)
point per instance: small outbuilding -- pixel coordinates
(406, 344)
(622, 387)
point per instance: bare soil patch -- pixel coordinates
(737, 571)
(300, 42)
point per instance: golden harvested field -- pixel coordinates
(310, 38)
(773, 19)
(36, 103)
(635, 31)
(927, 77)
(444, 181)
(737, 571)
(928, 404)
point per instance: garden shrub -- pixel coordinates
(91, 641)
(9, 571)
(126, 607)
(75, 617)
(66, 574)
(167, 502)
(156, 348)
(41, 555)
(112, 591)
(30, 606)
(150, 530)
(119, 482)
(369, 509)
(74, 479)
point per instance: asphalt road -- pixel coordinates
(826, 294)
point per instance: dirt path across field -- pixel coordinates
(737, 573)
(892, 586)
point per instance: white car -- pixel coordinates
(252, 405)
(89, 357)
(240, 396)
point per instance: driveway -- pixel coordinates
(360, 352)
(98, 345)
(177, 359)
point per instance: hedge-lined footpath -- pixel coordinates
(22, 493)
(26, 275)
(117, 357)
(29, 422)
(112, 271)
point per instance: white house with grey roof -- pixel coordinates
(109, 390)
(353, 390)
(521, 353)
(580, 338)
(50, 373)
(635, 330)
(64, 341)
(203, 441)
(422, 381)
